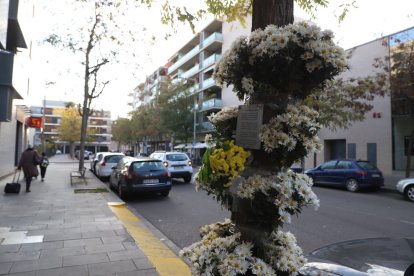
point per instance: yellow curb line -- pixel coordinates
(163, 259)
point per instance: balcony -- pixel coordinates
(211, 104)
(183, 59)
(207, 83)
(205, 127)
(211, 60)
(214, 41)
(189, 73)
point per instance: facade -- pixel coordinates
(382, 138)
(14, 80)
(99, 122)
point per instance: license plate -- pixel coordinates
(150, 181)
(375, 175)
(178, 167)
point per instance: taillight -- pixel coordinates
(190, 163)
(132, 175)
(362, 173)
(165, 163)
(167, 173)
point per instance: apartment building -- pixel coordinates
(51, 113)
(195, 62)
(15, 49)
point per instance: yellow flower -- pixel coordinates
(228, 163)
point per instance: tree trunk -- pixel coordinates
(276, 12)
(72, 150)
(410, 146)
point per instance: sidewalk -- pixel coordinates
(55, 231)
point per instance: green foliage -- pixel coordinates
(175, 106)
(343, 102)
(122, 131)
(234, 10)
(70, 126)
(145, 123)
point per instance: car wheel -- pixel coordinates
(187, 179)
(121, 192)
(409, 192)
(165, 193)
(352, 185)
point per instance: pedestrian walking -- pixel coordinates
(28, 162)
(44, 162)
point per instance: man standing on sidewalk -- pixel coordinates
(29, 161)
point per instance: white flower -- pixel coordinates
(226, 113)
(247, 84)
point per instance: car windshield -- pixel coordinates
(177, 157)
(113, 158)
(147, 166)
(366, 165)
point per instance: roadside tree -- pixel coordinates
(96, 37)
(122, 132)
(145, 123)
(401, 63)
(175, 105)
(70, 128)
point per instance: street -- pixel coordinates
(342, 215)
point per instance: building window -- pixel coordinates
(406, 144)
(352, 151)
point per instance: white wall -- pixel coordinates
(230, 32)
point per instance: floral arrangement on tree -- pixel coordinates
(280, 61)
(277, 68)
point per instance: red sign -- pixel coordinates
(35, 122)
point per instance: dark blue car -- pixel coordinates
(351, 174)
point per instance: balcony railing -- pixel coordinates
(211, 60)
(189, 73)
(205, 127)
(207, 83)
(213, 37)
(184, 59)
(212, 103)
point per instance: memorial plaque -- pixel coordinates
(249, 122)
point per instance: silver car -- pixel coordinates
(406, 187)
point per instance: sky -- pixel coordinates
(370, 19)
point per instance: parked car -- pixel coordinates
(103, 167)
(86, 154)
(141, 154)
(134, 175)
(95, 159)
(406, 187)
(177, 163)
(351, 174)
(375, 256)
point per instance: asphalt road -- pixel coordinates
(341, 216)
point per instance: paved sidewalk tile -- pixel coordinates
(65, 271)
(5, 268)
(126, 255)
(112, 268)
(40, 264)
(77, 233)
(85, 259)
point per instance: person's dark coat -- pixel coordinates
(28, 162)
